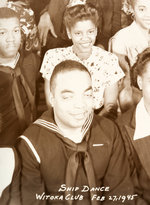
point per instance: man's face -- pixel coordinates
(10, 38)
(72, 100)
(144, 84)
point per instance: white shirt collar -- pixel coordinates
(76, 139)
(142, 119)
(13, 63)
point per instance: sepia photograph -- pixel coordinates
(74, 102)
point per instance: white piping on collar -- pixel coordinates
(31, 147)
(55, 128)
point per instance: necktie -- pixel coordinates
(73, 163)
(16, 95)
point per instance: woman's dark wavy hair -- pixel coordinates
(81, 12)
(131, 2)
(140, 66)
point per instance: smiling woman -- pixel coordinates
(81, 24)
(128, 43)
(83, 35)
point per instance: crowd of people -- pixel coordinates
(91, 145)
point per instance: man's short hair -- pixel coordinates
(8, 13)
(140, 66)
(63, 67)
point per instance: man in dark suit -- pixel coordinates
(135, 129)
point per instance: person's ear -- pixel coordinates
(68, 33)
(96, 31)
(132, 13)
(139, 82)
(131, 10)
(51, 99)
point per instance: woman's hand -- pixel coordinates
(109, 111)
(45, 25)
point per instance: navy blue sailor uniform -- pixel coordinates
(49, 161)
(17, 96)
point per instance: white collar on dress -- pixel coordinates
(142, 119)
(139, 34)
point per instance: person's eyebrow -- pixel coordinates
(66, 91)
(89, 88)
(69, 91)
(13, 28)
(141, 6)
(3, 29)
(17, 27)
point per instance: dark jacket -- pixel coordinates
(138, 153)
